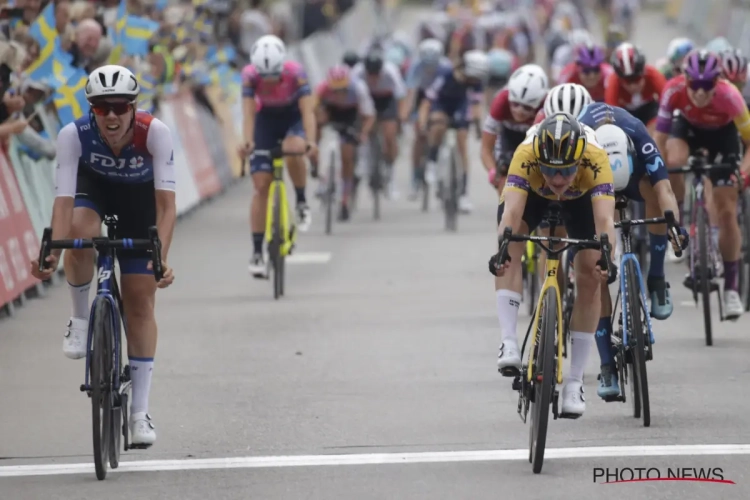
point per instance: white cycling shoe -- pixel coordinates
(74, 343)
(573, 401)
(465, 206)
(509, 359)
(142, 430)
(733, 307)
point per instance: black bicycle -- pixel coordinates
(329, 194)
(377, 180)
(107, 382)
(705, 259)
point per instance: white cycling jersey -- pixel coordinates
(389, 82)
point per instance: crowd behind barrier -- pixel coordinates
(704, 19)
(205, 148)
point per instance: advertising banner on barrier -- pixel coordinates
(213, 134)
(195, 145)
(231, 135)
(36, 180)
(186, 190)
(18, 241)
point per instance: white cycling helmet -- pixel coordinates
(268, 54)
(475, 64)
(580, 37)
(528, 85)
(112, 81)
(619, 148)
(430, 50)
(570, 98)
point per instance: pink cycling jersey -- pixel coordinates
(276, 95)
(725, 107)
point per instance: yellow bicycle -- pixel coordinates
(281, 234)
(543, 371)
(530, 264)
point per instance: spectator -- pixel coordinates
(88, 36)
(254, 23)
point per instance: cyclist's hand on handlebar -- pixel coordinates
(245, 149)
(608, 275)
(684, 239)
(48, 272)
(312, 150)
(496, 268)
(168, 277)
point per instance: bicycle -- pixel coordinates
(530, 276)
(106, 381)
(377, 180)
(329, 193)
(634, 338)
(710, 265)
(537, 386)
(281, 233)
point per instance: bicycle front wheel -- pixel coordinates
(451, 200)
(638, 344)
(274, 249)
(100, 380)
(376, 176)
(330, 193)
(544, 379)
(704, 276)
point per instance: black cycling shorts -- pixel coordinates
(577, 214)
(647, 112)
(505, 145)
(386, 108)
(724, 141)
(133, 204)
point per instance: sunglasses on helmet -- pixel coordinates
(118, 108)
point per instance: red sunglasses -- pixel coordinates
(118, 108)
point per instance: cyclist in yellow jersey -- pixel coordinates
(561, 162)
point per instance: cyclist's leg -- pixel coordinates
(322, 118)
(462, 133)
(435, 133)
(658, 288)
(389, 129)
(508, 288)
(266, 137)
(295, 141)
(725, 202)
(136, 211)
(348, 153)
(419, 144)
(678, 150)
(90, 206)
(586, 308)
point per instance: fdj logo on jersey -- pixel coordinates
(104, 162)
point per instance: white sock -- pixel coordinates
(580, 345)
(140, 375)
(508, 302)
(80, 296)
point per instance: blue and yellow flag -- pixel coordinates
(43, 31)
(136, 35)
(70, 99)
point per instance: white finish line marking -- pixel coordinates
(309, 258)
(377, 459)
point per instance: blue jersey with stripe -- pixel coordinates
(648, 159)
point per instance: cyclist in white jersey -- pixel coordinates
(115, 161)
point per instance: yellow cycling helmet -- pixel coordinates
(559, 144)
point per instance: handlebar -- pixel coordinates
(277, 152)
(699, 165)
(601, 244)
(349, 132)
(668, 219)
(103, 243)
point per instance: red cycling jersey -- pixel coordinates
(569, 74)
(501, 118)
(617, 95)
(726, 106)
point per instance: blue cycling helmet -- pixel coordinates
(396, 55)
(718, 45)
(500, 63)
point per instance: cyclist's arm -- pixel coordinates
(159, 144)
(514, 202)
(742, 122)
(399, 92)
(612, 90)
(603, 197)
(66, 178)
(664, 121)
(431, 95)
(307, 110)
(490, 131)
(366, 108)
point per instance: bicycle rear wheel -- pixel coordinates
(100, 380)
(545, 379)
(704, 276)
(638, 343)
(451, 200)
(274, 248)
(330, 193)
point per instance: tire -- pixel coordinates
(567, 305)
(117, 415)
(330, 193)
(703, 272)
(376, 177)
(451, 200)
(425, 187)
(101, 382)
(544, 388)
(637, 340)
(276, 242)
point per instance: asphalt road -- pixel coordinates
(374, 378)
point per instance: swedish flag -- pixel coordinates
(70, 99)
(43, 31)
(138, 31)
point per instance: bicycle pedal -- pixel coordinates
(517, 385)
(613, 399)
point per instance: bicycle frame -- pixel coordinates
(107, 286)
(553, 262)
(699, 203)
(628, 255)
(278, 184)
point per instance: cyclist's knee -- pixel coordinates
(86, 224)
(587, 281)
(138, 291)
(261, 182)
(294, 143)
